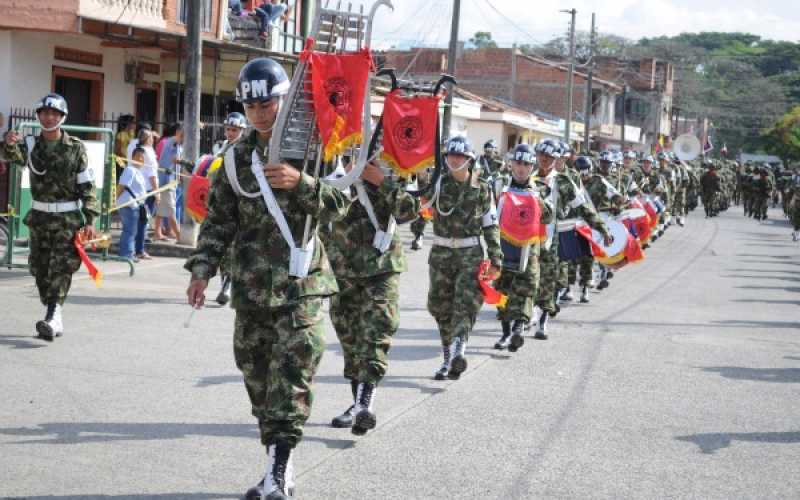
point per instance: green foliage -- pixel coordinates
(783, 139)
(483, 40)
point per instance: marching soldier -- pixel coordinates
(520, 280)
(235, 125)
(711, 184)
(418, 226)
(463, 212)
(762, 190)
(367, 257)
(563, 196)
(64, 204)
(584, 264)
(489, 162)
(259, 210)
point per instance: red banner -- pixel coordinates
(197, 198)
(521, 219)
(338, 85)
(490, 294)
(409, 132)
(94, 273)
(586, 233)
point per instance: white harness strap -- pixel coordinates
(553, 200)
(383, 239)
(30, 141)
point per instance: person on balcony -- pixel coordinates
(269, 13)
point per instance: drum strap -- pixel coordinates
(383, 239)
(551, 228)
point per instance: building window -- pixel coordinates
(207, 12)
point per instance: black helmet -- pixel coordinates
(549, 148)
(523, 153)
(459, 145)
(607, 157)
(261, 80)
(235, 119)
(583, 164)
(490, 144)
(53, 101)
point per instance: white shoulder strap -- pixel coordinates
(233, 179)
(30, 142)
(383, 239)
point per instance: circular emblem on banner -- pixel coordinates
(338, 92)
(408, 132)
(524, 215)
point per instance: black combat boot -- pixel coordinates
(503, 342)
(441, 373)
(541, 332)
(458, 358)
(52, 325)
(278, 481)
(517, 339)
(416, 244)
(345, 420)
(365, 419)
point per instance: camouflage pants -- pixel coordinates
(365, 315)
(710, 203)
(521, 289)
(53, 258)
(548, 278)
(585, 265)
(278, 351)
(794, 215)
(418, 226)
(454, 297)
(760, 205)
(679, 203)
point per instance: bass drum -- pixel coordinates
(615, 252)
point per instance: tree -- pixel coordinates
(783, 139)
(483, 40)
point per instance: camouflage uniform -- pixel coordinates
(278, 335)
(365, 313)
(711, 185)
(66, 176)
(418, 226)
(454, 297)
(681, 189)
(794, 202)
(762, 189)
(521, 287)
(548, 258)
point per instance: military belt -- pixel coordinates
(471, 241)
(57, 207)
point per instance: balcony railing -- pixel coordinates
(138, 13)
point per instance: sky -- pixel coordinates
(427, 22)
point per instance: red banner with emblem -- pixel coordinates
(338, 86)
(521, 219)
(409, 132)
(199, 187)
(490, 294)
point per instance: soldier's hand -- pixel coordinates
(196, 293)
(12, 137)
(282, 176)
(608, 240)
(89, 233)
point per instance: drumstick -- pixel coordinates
(188, 321)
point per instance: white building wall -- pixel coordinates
(479, 132)
(28, 59)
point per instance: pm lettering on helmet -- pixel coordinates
(258, 89)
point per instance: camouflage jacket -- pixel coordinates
(260, 256)
(472, 208)
(710, 183)
(490, 166)
(349, 242)
(569, 202)
(12, 154)
(649, 183)
(605, 199)
(65, 176)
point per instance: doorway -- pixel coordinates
(147, 101)
(83, 91)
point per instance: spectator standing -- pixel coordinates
(132, 186)
(168, 168)
(150, 173)
(269, 13)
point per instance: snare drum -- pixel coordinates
(571, 245)
(615, 252)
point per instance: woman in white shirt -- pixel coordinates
(150, 173)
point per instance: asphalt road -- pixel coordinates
(682, 380)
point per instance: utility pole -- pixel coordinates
(191, 110)
(451, 68)
(624, 111)
(587, 115)
(571, 73)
